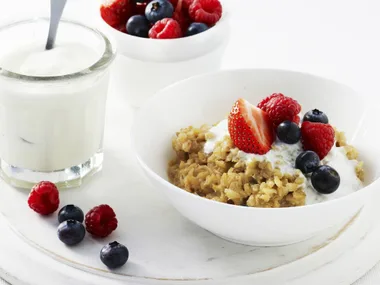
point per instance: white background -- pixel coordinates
(339, 39)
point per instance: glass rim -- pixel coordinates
(103, 62)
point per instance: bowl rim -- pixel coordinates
(173, 187)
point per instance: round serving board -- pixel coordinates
(164, 247)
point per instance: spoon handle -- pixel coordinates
(56, 10)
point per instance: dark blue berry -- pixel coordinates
(196, 28)
(307, 161)
(325, 179)
(158, 10)
(70, 212)
(71, 232)
(138, 26)
(288, 132)
(114, 255)
(316, 116)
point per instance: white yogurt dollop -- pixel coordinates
(34, 60)
(283, 156)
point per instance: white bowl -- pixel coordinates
(207, 99)
(144, 66)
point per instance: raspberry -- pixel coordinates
(296, 119)
(280, 108)
(206, 11)
(317, 137)
(44, 198)
(165, 29)
(262, 104)
(101, 220)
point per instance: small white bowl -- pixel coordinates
(207, 99)
(144, 66)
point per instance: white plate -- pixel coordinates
(165, 248)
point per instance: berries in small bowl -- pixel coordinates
(71, 232)
(176, 47)
(70, 212)
(114, 255)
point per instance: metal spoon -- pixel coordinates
(56, 10)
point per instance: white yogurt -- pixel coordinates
(34, 60)
(49, 126)
(284, 155)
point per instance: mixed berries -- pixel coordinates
(161, 19)
(254, 129)
(100, 222)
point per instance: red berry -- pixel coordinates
(208, 12)
(181, 15)
(262, 104)
(250, 128)
(280, 108)
(44, 198)
(187, 3)
(317, 137)
(174, 3)
(100, 221)
(122, 28)
(165, 29)
(296, 119)
(116, 12)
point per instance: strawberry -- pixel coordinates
(116, 12)
(280, 108)
(317, 137)
(250, 128)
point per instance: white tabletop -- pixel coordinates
(338, 39)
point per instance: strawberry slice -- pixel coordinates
(250, 128)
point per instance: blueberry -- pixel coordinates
(114, 255)
(288, 132)
(325, 179)
(196, 28)
(71, 232)
(70, 212)
(316, 116)
(307, 161)
(138, 26)
(158, 10)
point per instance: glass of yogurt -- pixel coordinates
(52, 103)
